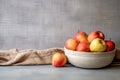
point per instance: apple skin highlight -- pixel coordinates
(96, 34)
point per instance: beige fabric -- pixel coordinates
(27, 57)
(34, 57)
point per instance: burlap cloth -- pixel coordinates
(35, 57)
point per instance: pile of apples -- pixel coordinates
(94, 42)
(82, 42)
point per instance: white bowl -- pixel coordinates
(90, 59)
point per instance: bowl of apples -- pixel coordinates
(90, 51)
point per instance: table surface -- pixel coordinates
(49, 72)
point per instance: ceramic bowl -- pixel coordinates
(90, 59)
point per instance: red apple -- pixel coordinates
(59, 59)
(83, 47)
(71, 44)
(110, 45)
(81, 36)
(95, 34)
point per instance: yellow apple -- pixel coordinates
(98, 45)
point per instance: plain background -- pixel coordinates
(41, 24)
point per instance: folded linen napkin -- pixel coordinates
(35, 57)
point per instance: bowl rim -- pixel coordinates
(93, 53)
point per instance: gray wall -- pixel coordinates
(41, 24)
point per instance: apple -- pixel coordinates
(81, 36)
(71, 44)
(110, 45)
(59, 59)
(98, 45)
(95, 34)
(83, 46)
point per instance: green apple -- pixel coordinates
(98, 45)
